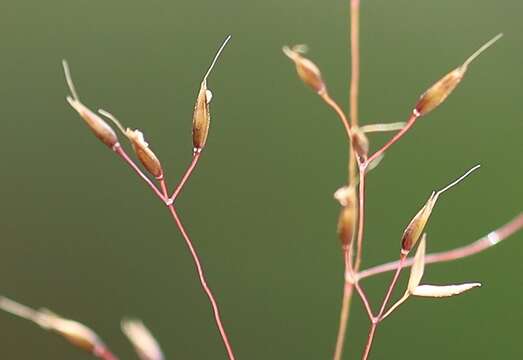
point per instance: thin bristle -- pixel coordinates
(69, 80)
(218, 53)
(458, 180)
(482, 49)
(113, 119)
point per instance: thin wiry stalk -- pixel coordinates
(353, 109)
(186, 176)
(197, 261)
(480, 245)
(203, 282)
(376, 320)
(163, 195)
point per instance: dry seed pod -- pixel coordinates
(201, 116)
(417, 224)
(144, 153)
(76, 333)
(307, 70)
(438, 92)
(141, 148)
(346, 223)
(347, 219)
(143, 341)
(360, 143)
(99, 127)
(201, 119)
(439, 291)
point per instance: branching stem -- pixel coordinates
(413, 117)
(376, 320)
(163, 195)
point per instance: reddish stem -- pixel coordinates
(353, 108)
(355, 59)
(203, 282)
(413, 117)
(194, 254)
(334, 105)
(370, 337)
(163, 195)
(344, 319)
(392, 286)
(121, 152)
(188, 172)
(365, 300)
(345, 306)
(376, 320)
(163, 186)
(476, 247)
(348, 287)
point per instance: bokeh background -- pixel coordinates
(84, 237)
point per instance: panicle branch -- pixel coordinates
(351, 219)
(74, 332)
(486, 242)
(142, 340)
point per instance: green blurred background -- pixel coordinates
(84, 237)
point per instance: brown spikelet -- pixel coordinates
(416, 226)
(347, 217)
(144, 153)
(76, 333)
(98, 126)
(141, 148)
(308, 72)
(438, 92)
(201, 116)
(419, 221)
